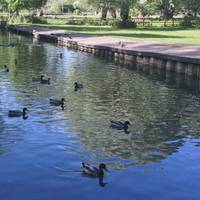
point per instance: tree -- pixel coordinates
(191, 7)
(124, 6)
(14, 6)
(149, 7)
(167, 9)
(36, 4)
(112, 6)
(105, 6)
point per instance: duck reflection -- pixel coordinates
(120, 125)
(18, 113)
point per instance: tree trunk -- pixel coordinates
(195, 13)
(104, 12)
(165, 22)
(124, 13)
(39, 12)
(17, 12)
(113, 13)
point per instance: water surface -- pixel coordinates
(40, 158)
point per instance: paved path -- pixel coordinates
(177, 50)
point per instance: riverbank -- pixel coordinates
(184, 59)
(169, 34)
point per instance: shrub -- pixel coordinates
(122, 24)
(17, 20)
(190, 22)
(26, 19)
(38, 20)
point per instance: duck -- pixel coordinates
(121, 44)
(37, 79)
(18, 113)
(68, 35)
(78, 86)
(56, 102)
(61, 55)
(6, 68)
(120, 125)
(93, 171)
(45, 81)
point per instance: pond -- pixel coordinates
(40, 157)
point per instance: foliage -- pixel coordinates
(17, 20)
(121, 24)
(14, 6)
(190, 22)
(167, 9)
(125, 8)
(37, 20)
(149, 7)
(190, 7)
(36, 4)
(104, 6)
(60, 6)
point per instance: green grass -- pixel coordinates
(160, 34)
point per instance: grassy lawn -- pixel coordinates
(161, 34)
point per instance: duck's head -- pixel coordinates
(42, 76)
(63, 100)
(75, 84)
(62, 103)
(126, 123)
(5, 66)
(25, 110)
(102, 166)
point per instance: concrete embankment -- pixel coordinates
(182, 59)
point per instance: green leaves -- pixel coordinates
(17, 5)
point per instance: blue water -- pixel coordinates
(40, 158)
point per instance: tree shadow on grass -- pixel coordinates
(177, 28)
(140, 35)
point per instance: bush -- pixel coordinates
(17, 20)
(37, 20)
(85, 21)
(190, 22)
(122, 24)
(26, 19)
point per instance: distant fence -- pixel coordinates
(91, 19)
(149, 21)
(141, 21)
